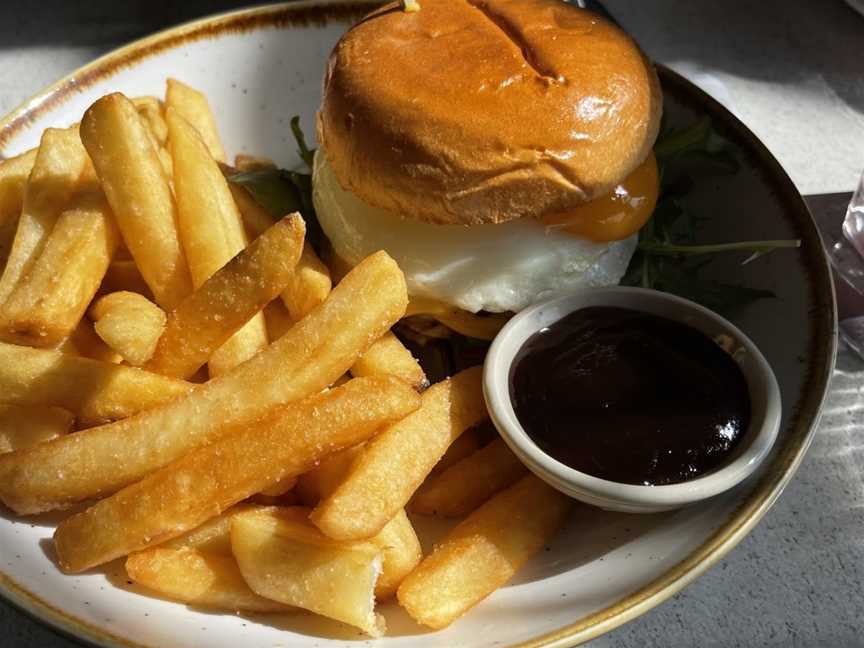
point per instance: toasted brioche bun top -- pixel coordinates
(484, 111)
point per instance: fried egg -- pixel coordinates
(494, 268)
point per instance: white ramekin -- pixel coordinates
(615, 496)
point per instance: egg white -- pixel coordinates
(496, 268)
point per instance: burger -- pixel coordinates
(499, 150)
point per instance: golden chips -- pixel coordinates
(94, 228)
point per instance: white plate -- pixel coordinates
(260, 67)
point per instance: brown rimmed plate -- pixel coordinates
(261, 66)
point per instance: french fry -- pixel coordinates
(167, 164)
(466, 485)
(208, 219)
(57, 167)
(210, 230)
(391, 467)
(311, 282)
(22, 426)
(483, 552)
(323, 479)
(256, 219)
(197, 577)
(50, 300)
(389, 356)
(198, 568)
(285, 558)
(88, 181)
(467, 444)
(124, 275)
(309, 286)
(244, 461)
(14, 172)
(194, 108)
(138, 191)
(398, 542)
(130, 324)
(165, 160)
(227, 300)
(94, 391)
(313, 354)
(212, 536)
(400, 554)
(281, 487)
(85, 343)
(150, 109)
(277, 319)
(245, 162)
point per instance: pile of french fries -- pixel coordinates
(249, 436)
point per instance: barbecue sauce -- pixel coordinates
(629, 397)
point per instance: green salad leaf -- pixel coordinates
(667, 258)
(306, 154)
(273, 189)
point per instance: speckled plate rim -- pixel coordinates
(823, 314)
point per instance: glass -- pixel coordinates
(847, 258)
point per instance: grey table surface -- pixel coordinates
(793, 70)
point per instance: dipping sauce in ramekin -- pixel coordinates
(629, 396)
